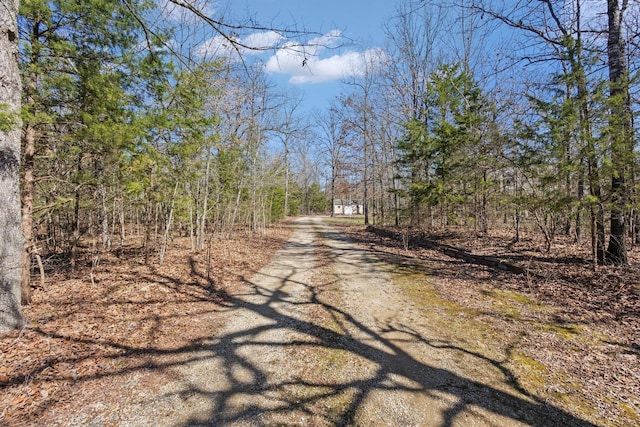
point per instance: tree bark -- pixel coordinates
(75, 238)
(103, 218)
(205, 201)
(167, 228)
(27, 210)
(11, 238)
(28, 165)
(620, 131)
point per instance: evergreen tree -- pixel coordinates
(438, 154)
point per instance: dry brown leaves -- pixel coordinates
(89, 330)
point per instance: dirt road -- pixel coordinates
(323, 337)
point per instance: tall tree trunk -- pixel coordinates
(27, 210)
(103, 218)
(579, 208)
(286, 179)
(11, 238)
(203, 217)
(147, 217)
(167, 228)
(620, 131)
(516, 214)
(122, 223)
(75, 239)
(28, 165)
(365, 202)
(234, 214)
(597, 212)
(102, 223)
(636, 228)
(254, 185)
(586, 140)
(485, 202)
(333, 187)
(192, 236)
(147, 230)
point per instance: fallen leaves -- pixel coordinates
(89, 332)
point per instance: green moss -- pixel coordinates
(418, 287)
(566, 332)
(509, 311)
(554, 385)
(460, 325)
(534, 373)
(629, 412)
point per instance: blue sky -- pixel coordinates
(348, 33)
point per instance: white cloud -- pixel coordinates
(305, 63)
(263, 40)
(248, 45)
(329, 40)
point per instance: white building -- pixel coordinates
(347, 207)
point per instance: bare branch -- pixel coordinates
(514, 24)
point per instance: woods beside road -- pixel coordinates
(319, 322)
(149, 163)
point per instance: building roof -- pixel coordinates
(347, 202)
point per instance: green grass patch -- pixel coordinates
(345, 220)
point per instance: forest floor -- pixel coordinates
(320, 322)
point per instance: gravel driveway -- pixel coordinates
(323, 337)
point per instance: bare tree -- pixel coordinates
(308, 172)
(289, 130)
(331, 135)
(413, 35)
(361, 104)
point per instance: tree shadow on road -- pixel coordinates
(391, 369)
(247, 391)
